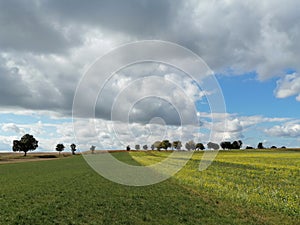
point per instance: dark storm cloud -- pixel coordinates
(134, 17)
(26, 27)
(20, 89)
(241, 36)
(12, 87)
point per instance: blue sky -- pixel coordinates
(246, 95)
(47, 49)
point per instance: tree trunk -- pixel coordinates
(25, 154)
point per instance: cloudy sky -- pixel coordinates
(47, 48)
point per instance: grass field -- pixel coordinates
(240, 187)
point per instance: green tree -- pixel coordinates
(73, 148)
(27, 143)
(92, 149)
(59, 148)
(237, 144)
(157, 145)
(213, 146)
(260, 145)
(165, 144)
(177, 145)
(200, 146)
(190, 145)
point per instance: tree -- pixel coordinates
(177, 145)
(165, 144)
(240, 143)
(190, 145)
(157, 145)
(236, 144)
(200, 146)
(27, 143)
(73, 148)
(128, 148)
(152, 147)
(60, 148)
(137, 147)
(260, 145)
(273, 146)
(226, 145)
(213, 146)
(92, 149)
(145, 147)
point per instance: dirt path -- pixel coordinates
(6, 158)
(25, 160)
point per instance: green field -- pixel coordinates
(240, 187)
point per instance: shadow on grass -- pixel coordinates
(47, 156)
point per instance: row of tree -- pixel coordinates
(191, 145)
(29, 143)
(61, 147)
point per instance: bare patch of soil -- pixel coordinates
(37, 156)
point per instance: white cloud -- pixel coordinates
(288, 86)
(7, 142)
(241, 35)
(116, 134)
(12, 127)
(46, 50)
(141, 92)
(290, 129)
(232, 126)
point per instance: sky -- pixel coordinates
(249, 50)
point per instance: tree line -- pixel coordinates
(29, 143)
(191, 145)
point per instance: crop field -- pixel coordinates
(265, 184)
(240, 187)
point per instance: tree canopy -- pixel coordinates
(92, 149)
(177, 145)
(212, 145)
(190, 145)
(60, 148)
(165, 144)
(200, 146)
(73, 148)
(260, 145)
(27, 143)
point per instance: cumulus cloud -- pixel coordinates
(289, 129)
(141, 92)
(26, 27)
(11, 127)
(245, 36)
(117, 134)
(232, 126)
(128, 17)
(48, 45)
(288, 86)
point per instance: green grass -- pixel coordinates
(68, 191)
(265, 184)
